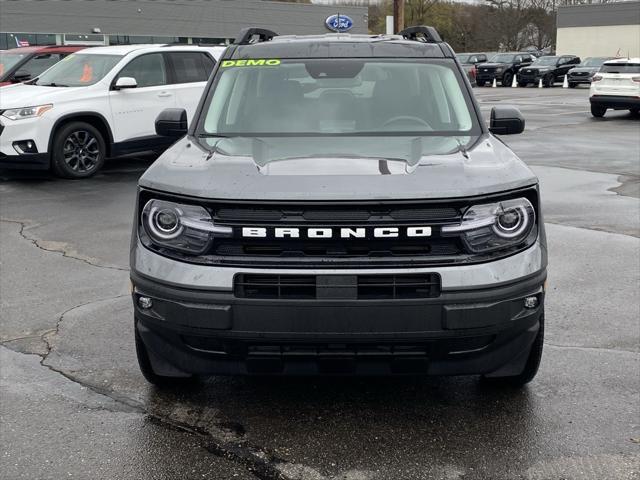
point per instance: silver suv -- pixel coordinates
(338, 207)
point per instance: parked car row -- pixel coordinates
(97, 103)
(528, 69)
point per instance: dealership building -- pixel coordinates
(599, 30)
(114, 22)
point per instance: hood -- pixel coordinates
(539, 68)
(493, 65)
(21, 95)
(261, 169)
(584, 69)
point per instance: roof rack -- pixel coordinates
(246, 36)
(421, 33)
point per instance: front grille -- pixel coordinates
(337, 287)
(353, 249)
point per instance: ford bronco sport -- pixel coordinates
(338, 206)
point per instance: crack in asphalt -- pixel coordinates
(259, 463)
(64, 252)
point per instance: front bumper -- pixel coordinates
(579, 79)
(616, 102)
(33, 129)
(465, 330)
(488, 76)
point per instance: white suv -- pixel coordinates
(616, 86)
(98, 103)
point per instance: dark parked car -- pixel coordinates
(22, 64)
(469, 62)
(584, 72)
(549, 69)
(502, 67)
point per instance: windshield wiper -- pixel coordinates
(51, 84)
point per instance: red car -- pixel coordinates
(24, 63)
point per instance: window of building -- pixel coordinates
(148, 70)
(208, 41)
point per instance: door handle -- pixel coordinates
(164, 94)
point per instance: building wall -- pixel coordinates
(600, 41)
(605, 29)
(170, 18)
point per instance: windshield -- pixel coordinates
(78, 70)
(9, 60)
(337, 97)
(546, 61)
(502, 58)
(593, 61)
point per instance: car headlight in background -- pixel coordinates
(26, 112)
(185, 228)
(494, 226)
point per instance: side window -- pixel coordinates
(482, 58)
(473, 59)
(40, 63)
(148, 70)
(519, 59)
(191, 67)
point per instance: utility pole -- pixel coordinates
(398, 15)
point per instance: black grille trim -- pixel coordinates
(337, 287)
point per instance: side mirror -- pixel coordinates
(506, 120)
(172, 122)
(125, 82)
(21, 76)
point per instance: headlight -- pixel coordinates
(26, 112)
(495, 226)
(186, 228)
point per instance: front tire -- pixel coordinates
(523, 84)
(507, 78)
(79, 151)
(530, 368)
(634, 111)
(549, 81)
(598, 112)
(572, 85)
(480, 83)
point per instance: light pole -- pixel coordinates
(398, 15)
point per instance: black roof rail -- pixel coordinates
(421, 33)
(246, 35)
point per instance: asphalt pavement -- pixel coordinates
(74, 405)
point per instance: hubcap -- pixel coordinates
(81, 151)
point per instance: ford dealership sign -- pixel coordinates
(339, 23)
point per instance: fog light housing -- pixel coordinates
(530, 302)
(145, 303)
(25, 146)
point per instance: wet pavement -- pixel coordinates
(74, 405)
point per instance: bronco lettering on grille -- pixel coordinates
(344, 232)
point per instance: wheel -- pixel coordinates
(572, 85)
(598, 112)
(78, 151)
(530, 368)
(549, 81)
(147, 370)
(522, 84)
(634, 111)
(480, 83)
(507, 78)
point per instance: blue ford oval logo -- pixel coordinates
(339, 23)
